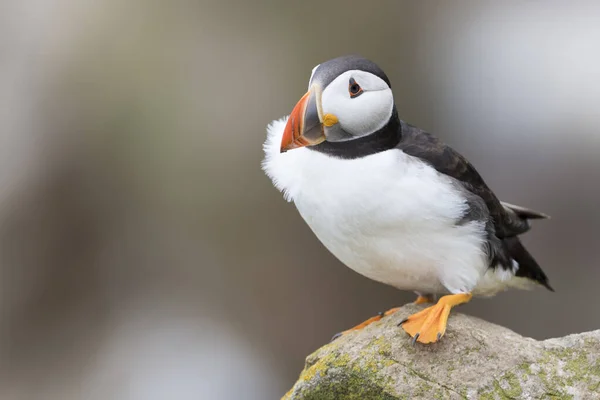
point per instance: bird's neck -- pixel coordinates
(385, 138)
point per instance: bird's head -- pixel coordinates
(348, 98)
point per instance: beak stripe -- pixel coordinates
(303, 127)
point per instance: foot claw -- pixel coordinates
(439, 335)
(403, 321)
(414, 339)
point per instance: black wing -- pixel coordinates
(508, 220)
(505, 221)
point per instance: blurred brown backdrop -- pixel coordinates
(143, 253)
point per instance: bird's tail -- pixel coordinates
(528, 267)
(524, 213)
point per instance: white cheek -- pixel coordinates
(361, 115)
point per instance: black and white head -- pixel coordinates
(348, 98)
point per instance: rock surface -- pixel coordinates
(474, 360)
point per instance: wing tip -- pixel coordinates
(547, 285)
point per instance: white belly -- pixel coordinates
(394, 221)
(388, 216)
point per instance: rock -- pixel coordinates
(474, 360)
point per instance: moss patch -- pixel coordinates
(558, 373)
(568, 367)
(478, 360)
(335, 376)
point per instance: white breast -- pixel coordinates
(388, 216)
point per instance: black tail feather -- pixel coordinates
(528, 267)
(525, 213)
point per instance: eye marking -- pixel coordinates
(354, 88)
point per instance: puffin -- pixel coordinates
(392, 201)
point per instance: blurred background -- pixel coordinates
(145, 255)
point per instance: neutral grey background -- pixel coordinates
(144, 254)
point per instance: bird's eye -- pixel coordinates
(354, 88)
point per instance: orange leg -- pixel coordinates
(429, 325)
(366, 323)
(423, 299)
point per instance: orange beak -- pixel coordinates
(304, 127)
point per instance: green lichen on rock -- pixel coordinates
(330, 375)
(569, 371)
(475, 360)
(506, 387)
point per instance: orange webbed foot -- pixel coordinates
(429, 325)
(366, 323)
